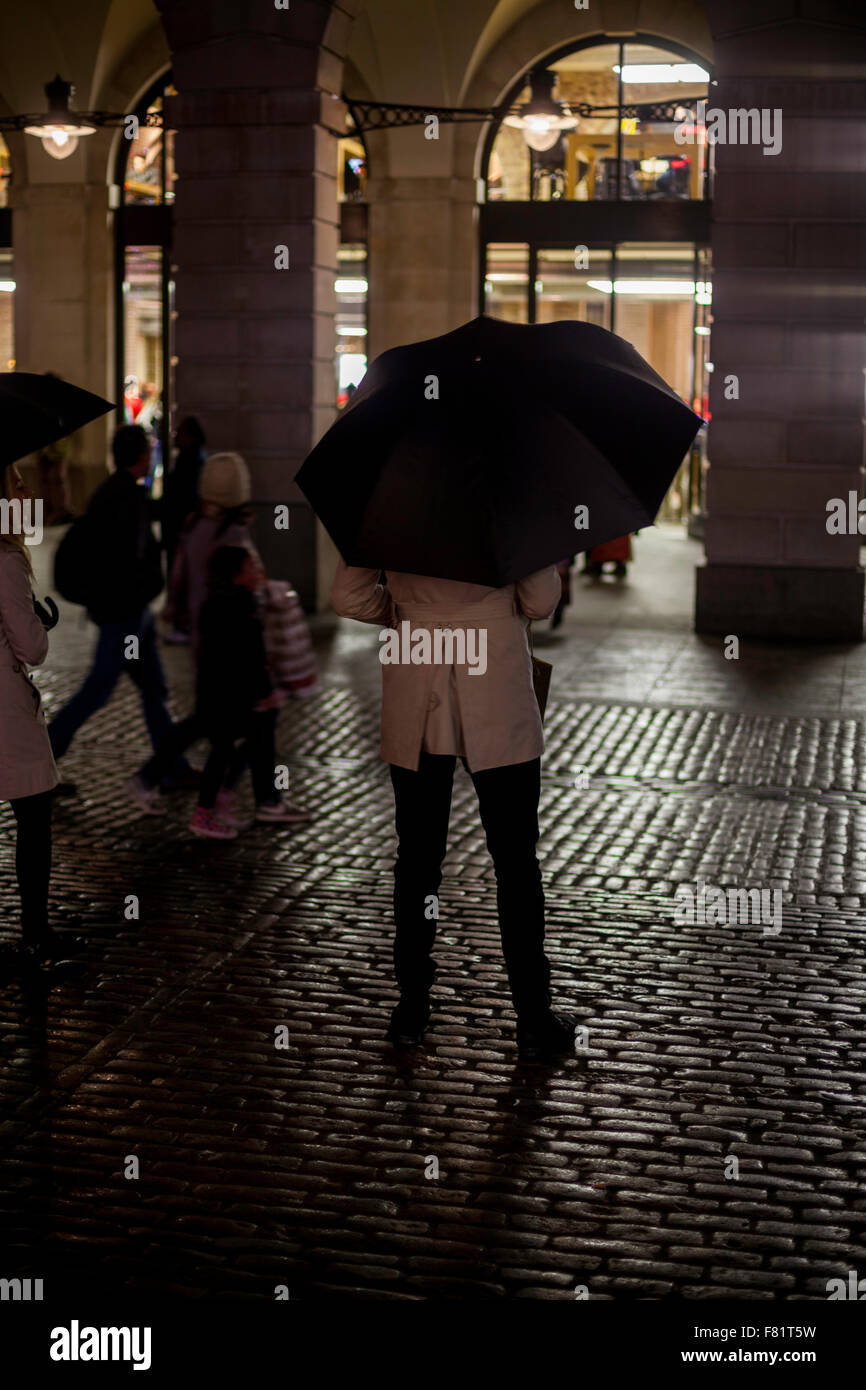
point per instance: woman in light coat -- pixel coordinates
(479, 706)
(27, 770)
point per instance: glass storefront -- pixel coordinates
(656, 295)
(571, 284)
(506, 283)
(7, 274)
(5, 173)
(550, 256)
(143, 351)
(149, 177)
(614, 153)
(351, 323)
(7, 312)
(352, 282)
(143, 354)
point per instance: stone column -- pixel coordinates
(256, 162)
(788, 343)
(63, 266)
(422, 258)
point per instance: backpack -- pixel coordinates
(75, 564)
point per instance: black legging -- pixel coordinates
(33, 861)
(508, 804)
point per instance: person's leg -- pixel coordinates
(260, 750)
(147, 673)
(422, 805)
(240, 758)
(33, 863)
(170, 750)
(214, 771)
(100, 681)
(508, 803)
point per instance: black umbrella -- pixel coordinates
(36, 410)
(492, 451)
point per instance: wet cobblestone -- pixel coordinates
(311, 1166)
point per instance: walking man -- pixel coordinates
(125, 561)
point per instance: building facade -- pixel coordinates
(270, 227)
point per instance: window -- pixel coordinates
(657, 295)
(7, 305)
(642, 97)
(351, 325)
(149, 176)
(143, 302)
(5, 173)
(143, 346)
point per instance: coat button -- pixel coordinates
(434, 700)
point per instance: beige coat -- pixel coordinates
(26, 763)
(491, 718)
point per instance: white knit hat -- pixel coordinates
(225, 480)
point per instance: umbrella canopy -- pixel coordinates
(36, 410)
(492, 451)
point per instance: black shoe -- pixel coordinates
(188, 780)
(50, 949)
(551, 1036)
(65, 789)
(409, 1022)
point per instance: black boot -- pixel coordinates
(549, 1035)
(49, 948)
(409, 1021)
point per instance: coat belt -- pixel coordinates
(432, 613)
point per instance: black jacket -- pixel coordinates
(232, 666)
(180, 495)
(119, 519)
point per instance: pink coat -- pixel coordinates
(26, 763)
(492, 717)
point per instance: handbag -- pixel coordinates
(541, 674)
(288, 644)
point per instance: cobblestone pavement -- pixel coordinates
(311, 1166)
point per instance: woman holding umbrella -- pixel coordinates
(465, 467)
(433, 714)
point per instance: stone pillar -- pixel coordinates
(63, 266)
(422, 258)
(256, 162)
(789, 303)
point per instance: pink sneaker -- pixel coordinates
(207, 824)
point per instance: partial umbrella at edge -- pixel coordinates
(36, 410)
